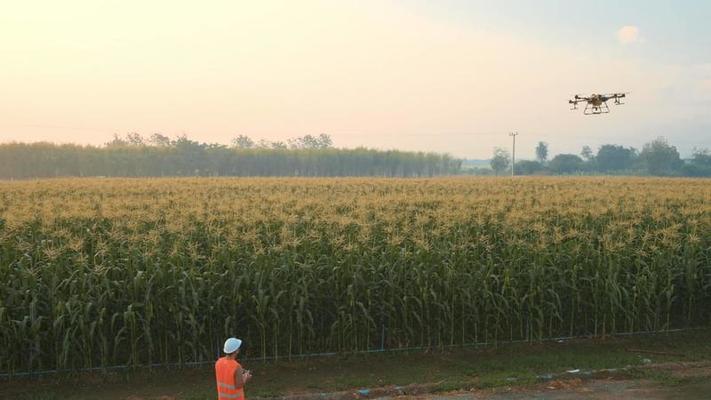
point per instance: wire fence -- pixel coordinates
(37, 374)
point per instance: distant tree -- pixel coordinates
(481, 171)
(278, 145)
(542, 152)
(566, 164)
(263, 144)
(186, 157)
(527, 167)
(193, 156)
(322, 141)
(325, 141)
(243, 142)
(501, 160)
(135, 139)
(117, 141)
(701, 157)
(587, 153)
(159, 140)
(661, 158)
(295, 143)
(700, 163)
(611, 157)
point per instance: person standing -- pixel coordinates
(231, 378)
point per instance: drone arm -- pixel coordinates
(609, 96)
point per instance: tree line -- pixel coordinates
(657, 158)
(133, 155)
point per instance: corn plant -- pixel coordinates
(97, 272)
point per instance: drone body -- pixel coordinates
(596, 103)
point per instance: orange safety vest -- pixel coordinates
(225, 373)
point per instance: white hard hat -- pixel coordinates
(232, 345)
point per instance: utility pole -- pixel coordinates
(513, 153)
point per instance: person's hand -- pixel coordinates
(247, 375)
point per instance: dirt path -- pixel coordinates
(346, 379)
(589, 390)
(694, 383)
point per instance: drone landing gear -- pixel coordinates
(595, 110)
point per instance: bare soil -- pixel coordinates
(694, 383)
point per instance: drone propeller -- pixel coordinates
(619, 96)
(615, 94)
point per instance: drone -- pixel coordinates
(596, 103)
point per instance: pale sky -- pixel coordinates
(449, 75)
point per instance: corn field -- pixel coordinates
(101, 272)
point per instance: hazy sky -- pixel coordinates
(446, 75)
